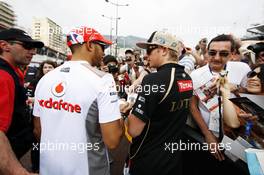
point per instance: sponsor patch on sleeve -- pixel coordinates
(185, 85)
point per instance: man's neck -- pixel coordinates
(8, 60)
(81, 58)
(216, 70)
(167, 62)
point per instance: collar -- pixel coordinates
(17, 70)
(169, 65)
(212, 70)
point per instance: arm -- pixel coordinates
(197, 116)
(209, 136)
(109, 114)
(9, 165)
(37, 127)
(135, 125)
(197, 57)
(229, 112)
(144, 107)
(112, 133)
(138, 81)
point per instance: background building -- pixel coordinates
(47, 31)
(7, 16)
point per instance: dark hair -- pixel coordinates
(129, 51)
(40, 70)
(109, 58)
(257, 48)
(74, 47)
(237, 46)
(1, 51)
(223, 37)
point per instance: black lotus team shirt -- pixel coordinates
(164, 102)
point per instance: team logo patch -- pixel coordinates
(59, 89)
(185, 85)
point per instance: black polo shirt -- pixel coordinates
(164, 102)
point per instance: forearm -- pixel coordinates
(196, 114)
(229, 113)
(37, 128)
(9, 165)
(198, 59)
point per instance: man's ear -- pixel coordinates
(4, 46)
(89, 46)
(164, 51)
(232, 55)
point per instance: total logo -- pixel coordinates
(185, 85)
(59, 89)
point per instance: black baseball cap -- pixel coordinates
(19, 35)
(256, 48)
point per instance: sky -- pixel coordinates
(190, 20)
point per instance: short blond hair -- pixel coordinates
(173, 55)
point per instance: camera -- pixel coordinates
(223, 73)
(222, 76)
(112, 68)
(139, 63)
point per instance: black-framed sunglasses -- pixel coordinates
(128, 58)
(204, 41)
(252, 74)
(25, 45)
(151, 48)
(222, 53)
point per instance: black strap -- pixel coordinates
(221, 134)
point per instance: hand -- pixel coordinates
(248, 116)
(30, 101)
(212, 142)
(188, 50)
(225, 87)
(213, 88)
(105, 68)
(26, 84)
(125, 106)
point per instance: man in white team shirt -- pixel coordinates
(77, 111)
(206, 114)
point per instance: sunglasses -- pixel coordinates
(222, 53)
(151, 48)
(102, 45)
(25, 45)
(252, 74)
(128, 58)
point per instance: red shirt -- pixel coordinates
(7, 98)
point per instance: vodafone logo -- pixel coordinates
(185, 85)
(59, 89)
(60, 105)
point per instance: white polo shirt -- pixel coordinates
(72, 101)
(237, 74)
